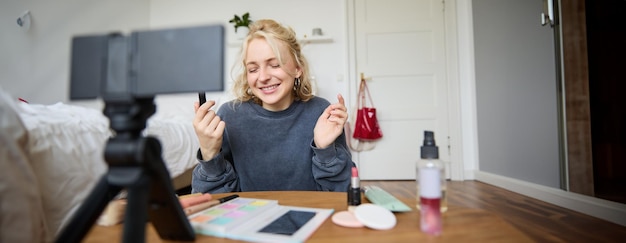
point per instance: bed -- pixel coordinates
(60, 147)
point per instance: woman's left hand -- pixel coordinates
(330, 124)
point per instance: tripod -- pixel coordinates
(135, 163)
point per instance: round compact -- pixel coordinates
(375, 217)
(346, 219)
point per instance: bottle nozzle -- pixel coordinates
(429, 138)
(429, 149)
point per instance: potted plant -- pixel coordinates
(242, 21)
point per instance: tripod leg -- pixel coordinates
(164, 210)
(136, 210)
(89, 211)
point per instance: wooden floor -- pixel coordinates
(541, 221)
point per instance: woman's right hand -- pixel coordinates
(209, 128)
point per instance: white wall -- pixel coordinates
(516, 91)
(35, 64)
(467, 89)
(327, 60)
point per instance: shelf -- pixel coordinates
(305, 40)
(315, 39)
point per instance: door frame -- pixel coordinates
(457, 167)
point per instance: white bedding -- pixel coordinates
(21, 206)
(81, 133)
(178, 140)
(66, 144)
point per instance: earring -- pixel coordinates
(296, 84)
(249, 91)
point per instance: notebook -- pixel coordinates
(259, 220)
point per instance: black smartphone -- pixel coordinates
(202, 97)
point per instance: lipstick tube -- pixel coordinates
(354, 191)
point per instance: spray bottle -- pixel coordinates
(430, 185)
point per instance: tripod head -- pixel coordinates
(129, 118)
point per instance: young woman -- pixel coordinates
(276, 135)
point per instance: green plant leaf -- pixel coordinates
(243, 21)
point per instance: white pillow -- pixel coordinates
(66, 145)
(21, 207)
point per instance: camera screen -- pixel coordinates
(147, 63)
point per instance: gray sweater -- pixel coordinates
(264, 150)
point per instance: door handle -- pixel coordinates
(547, 15)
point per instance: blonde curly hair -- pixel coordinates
(274, 33)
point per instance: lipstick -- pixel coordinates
(354, 191)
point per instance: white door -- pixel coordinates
(400, 48)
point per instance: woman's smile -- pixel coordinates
(270, 89)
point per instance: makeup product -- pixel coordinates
(430, 159)
(430, 187)
(375, 217)
(380, 197)
(259, 220)
(346, 219)
(190, 201)
(189, 195)
(354, 191)
(201, 98)
(202, 206)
